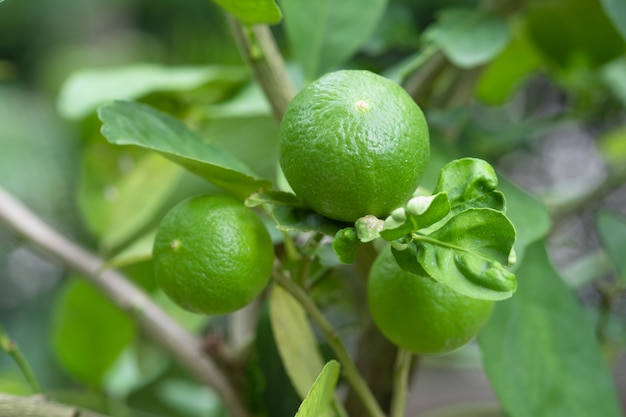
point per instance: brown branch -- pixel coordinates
(39, 406)
(259, 51)
(181, 344)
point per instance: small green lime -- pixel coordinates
(212, 255)
(353, 143)
(420, 314)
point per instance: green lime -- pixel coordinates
(212, 255)
(420, 314)
(353, 143)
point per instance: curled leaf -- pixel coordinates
(345, 244)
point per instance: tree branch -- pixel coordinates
(39, 406)
(182, 345)
(262, 56)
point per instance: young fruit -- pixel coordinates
(353, 143)
(212, 255)
(418, 313)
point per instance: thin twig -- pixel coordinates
(350, 371)
(12, 349)
(259, 51)
(39, 406)
(401, 383)
(183, 346)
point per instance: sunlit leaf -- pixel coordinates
(540, 349)
(468, 37)
(324, 33)
(319, 397)
(85, 90)
(295, 340)
(128, 123)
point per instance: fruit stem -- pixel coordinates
(349, 369)
(402, 370)
(258, 49)
(11, 348)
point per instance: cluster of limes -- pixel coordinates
(352, 143)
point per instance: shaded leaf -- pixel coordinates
(89, 332)
(469, 253)
(468, 37)
(324, 33)
(128, 123)
(345, 244)
(304, 220)
(280, 198)
(295, 340)
(252, 12)
(319, 397)
(85, 90)
(540, 349)
(612, 231)
(616, 11)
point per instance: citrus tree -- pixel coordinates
(344, 197)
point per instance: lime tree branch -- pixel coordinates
(39, 406)
(259, 51)
(349, 369)
(402, 369)
(184, 346)
(12, 349)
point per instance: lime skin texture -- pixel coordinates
(212, 255)
(353, 143)
(420, 314)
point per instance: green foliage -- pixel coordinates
(569, 376)
(252, 12)
(317, 400)
(612, 230)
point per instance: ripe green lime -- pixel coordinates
(353, 143)
(418, 313)
(212, 255)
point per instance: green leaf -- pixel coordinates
(612, 231)
(138, 251)
(295, 340)
(345, 244)
(470, 182)
(252, 12)
(469, 252)
(540, 349)
(614, 76)
(122, 190)
(85, 90)
(468, 37)
(616, 11)
(89, 332)
(318, 399)
(325, 33)
(298, 219)
(407, 260)
(128, 123)
(274, 197)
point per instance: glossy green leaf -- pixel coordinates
(89, 332)
(470, 182)
(616, 11)
(252, 12)
(612, 231)
(468, 37)
(324, 33)
(540, 349)
(318, 399)
(122, 190)
(469, 253)
(128, 123)
(295, 340)
(85, 90)
(345, 244)
(297, 219)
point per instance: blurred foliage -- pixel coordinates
(537, 88)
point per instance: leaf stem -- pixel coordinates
(11, 348)
(349, 369)
(259, 51)
(402, 369)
